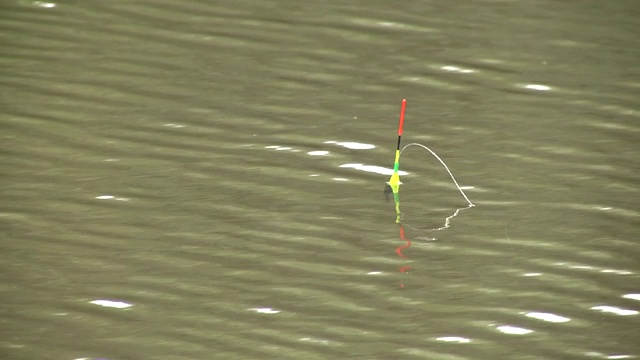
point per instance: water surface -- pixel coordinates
(204, 180)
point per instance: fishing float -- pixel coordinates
(393, 185)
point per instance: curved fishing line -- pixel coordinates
(446, 225)
(448, 171)
(447, 221)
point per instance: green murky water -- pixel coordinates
(203, 180)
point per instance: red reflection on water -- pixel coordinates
(402, 247)
(406, 268)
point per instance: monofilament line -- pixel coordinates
(445, 166)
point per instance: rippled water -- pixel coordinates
(203, 180)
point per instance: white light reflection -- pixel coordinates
(313, 340)
(374, 169)
(603, 356)
(351, 145)
(533, 274)
(615, 310)
(537, 87)
(457, 69)
(547, 317)
(588, 267)
(456, 339)
(614, 271)
(43, 4)
(632, 296)
(265, 310)
(174, 125)
(582, 267)
(112, 304)
(513, 330)
(111, 197)
(318, 153)
(281, 148)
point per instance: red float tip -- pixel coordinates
(401, 124)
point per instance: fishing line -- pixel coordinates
(393, 185)
(446, 168)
